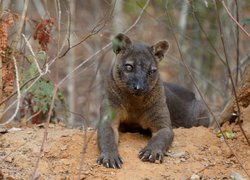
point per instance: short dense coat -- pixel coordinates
(137, 98)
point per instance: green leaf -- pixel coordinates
(44, 109)
(35, 108)
(32, 70)
(227, 134)
(40, 55)
(133, 6)
(245, 21)
(35, 99)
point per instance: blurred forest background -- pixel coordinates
(66, 44)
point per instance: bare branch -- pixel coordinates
(198, 75)
(237, 44)
(84, 149)
(39, 75)
(33, 115)
(19, 30)
(106, 46)
(18, 95)
(21, 87)
(98, 27)
(33, 177)
(204, 32)
(36, 78)
(86, 141)
(229, 72)
(209, 109)
(231, 16)
(33, 54)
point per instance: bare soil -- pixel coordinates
(195, 152)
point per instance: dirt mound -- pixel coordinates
(195, 152)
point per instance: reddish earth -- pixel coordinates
(195, 152)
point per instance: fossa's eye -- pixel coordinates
(129, 67)
(153, 70)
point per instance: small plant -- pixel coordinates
(38, 98)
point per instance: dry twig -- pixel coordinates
(237, 43)
(18, 94)
(86, 141)
(229, 72)
(231, 16)
(204, 32)
(34, 174)
(198, 90)
(105, 46)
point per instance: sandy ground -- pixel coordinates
(195, 152)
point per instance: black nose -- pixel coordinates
(138, 87)
(138, 90)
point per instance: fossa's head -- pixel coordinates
(136, 67)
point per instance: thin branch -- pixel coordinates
(19, 30)
(105, 46)
(33, 115)
(204, 168)
(39, 75)
(59, 16)
(84, 149)
(36, 79)
(15, 42)
(84, 119)
(204, 32)
(187, 37)
(86, 141)
(55, 90)
(18, 95)
(33, 54)
(21, 87)
(229, 72)
(198, 75)
(237, 43)
(34, 174)
(231, 16)
(198, 90)
(66, 39)
(97, 28)
(138, 18)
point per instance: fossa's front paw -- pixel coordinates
(151, 155)
(110, 160)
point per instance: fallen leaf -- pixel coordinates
(227, 134)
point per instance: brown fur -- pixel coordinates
(138, 99)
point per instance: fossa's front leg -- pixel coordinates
(108, 140)
(157, 145)
(162, 138)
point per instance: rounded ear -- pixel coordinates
(160, 48)
(120, 43)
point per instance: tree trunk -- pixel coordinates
(71, 64)
(118, 22)
(182, 28)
